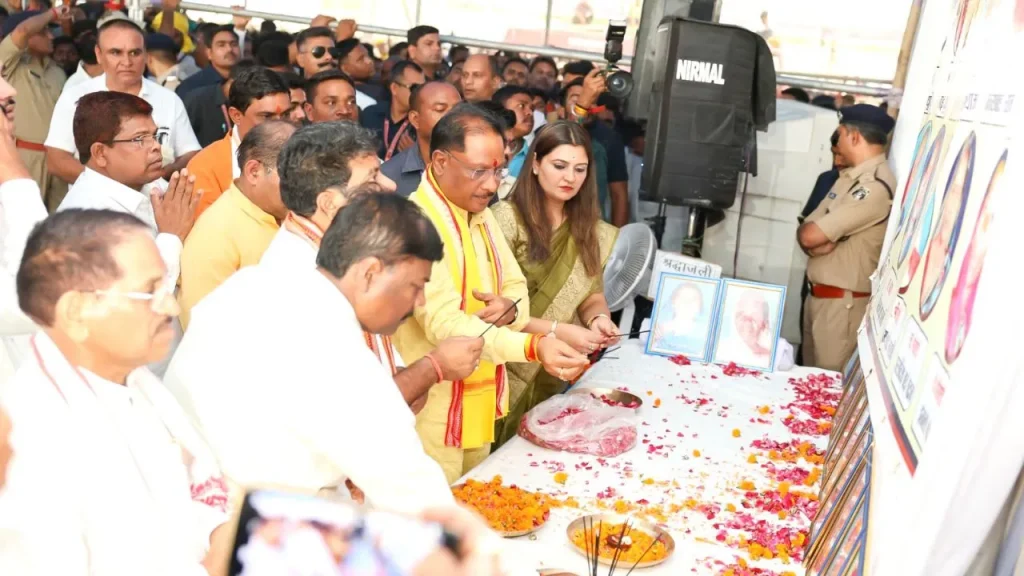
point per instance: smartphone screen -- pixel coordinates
(282, 533)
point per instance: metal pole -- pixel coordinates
(419, 6)
(807, 82)
(547, 23)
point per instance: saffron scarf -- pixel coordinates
(304, 228)
(476, 401)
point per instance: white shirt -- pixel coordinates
(76, 79)
(21, 208)
(168, 113)
(275, 371)
(101, 484)
(96, 191)
(286, 251)
(362, 100)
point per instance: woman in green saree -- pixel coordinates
(551, 221)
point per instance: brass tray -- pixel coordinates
(635, 524)
(611, 394)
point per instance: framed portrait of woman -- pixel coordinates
(749, 320)
(684, 316)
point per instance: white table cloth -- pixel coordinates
(700, 409)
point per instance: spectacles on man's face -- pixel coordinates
(144, 140)
(156, 298)
(501, 172)
(319, 51)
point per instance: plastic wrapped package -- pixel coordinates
(582, 424)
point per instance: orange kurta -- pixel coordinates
(212, 167)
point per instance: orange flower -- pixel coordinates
(696, 453)
(813, 476)
(506, 509)
(747, 485)
(561, 477)
(764, 409)
(641, 543)
(650, 393)
(752, 459)
(657, 402)
(730, 507)
(782, 514)
(648, 481)
(735, 432)
(784, 488)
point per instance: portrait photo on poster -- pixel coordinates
(917, 166)
(942, 246)
(749, 321)
(961, 303)
(919, 223)
(684, 316)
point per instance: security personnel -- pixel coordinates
(25, 55)
(843, 237)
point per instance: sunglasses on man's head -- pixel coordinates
(319, 51)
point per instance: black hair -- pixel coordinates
(200, 34)
(834, 139)
(580, 67)
(80, 27)
(383, 226)
(254, 83)
(545, 60)
(418, 32)
(514, 60)
(59, 40)
(564, 94)
(457, 48)
(345, 47)
(871, 133)
(538, 93)
(70, 250)
(211, 32)
(240, 67)
(798, 94)
(372, 51)
(317, 157)
(465, 117)
(314, 32)
(505, 92)
(293, 80)
(87, 48)
(507, 117)
(824, 101)
(630, 129)
(268, 27)
(394, 50)
(314, 81)
(273, 54)
(264, 142)
(398, 70)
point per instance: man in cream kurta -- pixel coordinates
(109, 475)
(276, 371)
(478, 282)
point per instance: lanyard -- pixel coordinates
(398, 136)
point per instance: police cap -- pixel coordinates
(867, 114)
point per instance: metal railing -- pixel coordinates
(875, 88)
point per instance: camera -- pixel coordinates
(619, 82)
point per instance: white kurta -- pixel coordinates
(287, 250)
(103, 476)
(21, 208)
(275, 371)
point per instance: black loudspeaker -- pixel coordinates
(713, 86)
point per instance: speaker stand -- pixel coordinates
(693, 241)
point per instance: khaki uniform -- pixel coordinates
(853, 216)
(38, 85)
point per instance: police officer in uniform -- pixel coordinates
(25, 54)
(843, 238)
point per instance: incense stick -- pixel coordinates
(586, 539)
(637, 563)
(628, 334)
(507, 310)
(618, 549)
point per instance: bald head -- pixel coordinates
(481, 77)
(264, 142)
(429, 103)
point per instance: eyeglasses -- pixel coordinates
(144, 140)
(500, 172)
(319, 51)
(155, 298)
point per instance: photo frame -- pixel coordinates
(850, 399)
(832, 518)
(683, 318)
(848, 432)
(851, 525)
(846, 477)
(749, 322)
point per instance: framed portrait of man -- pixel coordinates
(749, 320)
(684, 316)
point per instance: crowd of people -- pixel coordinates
(235, 258)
